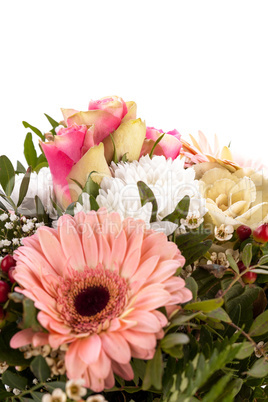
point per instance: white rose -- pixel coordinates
(233, 198)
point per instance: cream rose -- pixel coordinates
(233, 198)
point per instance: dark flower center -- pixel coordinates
(91, 301)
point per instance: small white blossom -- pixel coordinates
(3, 367)
(260, 349)
(57, 396)
(193, 220)
(75, 389)
(38, 225)
(96, 398)
(6, 242)
(224, 233)
(30, 224)
(15, 241)
(25, 228)
(16, 391)
(3, 217)
(13, 217)
(9, 225)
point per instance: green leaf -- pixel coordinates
(42, 216)
(259, 368)
(13, 357)
(115, 157)
(91, 187)
(24, 186)
(2, 206)
(34, 129)
(192, 254)
(205, 306)
(217, 389)
(14, 380)
(171, 340)
(94, 206)
(5, 394)
(155, 144)
(246, 350)
(39, 166)
(192, 286)
(263, 260)
(20, 168)
(7, 175)
(260, 271)
(124, 158)
(180, 212)
(29, 316)
(232, 263)
(70, 209)
(220, 314)
(247, 255)
(182, 319)
(231, 391)
(29, 151)
(37, 396)
(50, 386)
(260, 325)
(40, 368)
(53, 122)
(153, 372)
(147, 195)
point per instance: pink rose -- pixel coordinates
(84, 145)
(169, 146)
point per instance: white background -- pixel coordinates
(188, 64)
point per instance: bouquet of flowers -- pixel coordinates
(133, 265)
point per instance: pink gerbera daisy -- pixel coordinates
(98, 282)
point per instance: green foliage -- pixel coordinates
(7, 175)
(193, 244)
(147, 195)
(260, 325)
(34, 129)
(14, 380)
(24, 186)
(29, 151)
(180, 212)
(155, 144)
(41, 214)
(11, 356)
(40, 368)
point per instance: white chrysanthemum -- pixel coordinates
(168, 180)
(41, 185)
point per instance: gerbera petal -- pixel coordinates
(22, 338)
(116, 347)
(71, 243)
(74, 369)
(89, 349)
(123, 370)
(51, 248)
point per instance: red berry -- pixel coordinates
(243, 232)
(241, 266)
(10, 274)
(249, 277)
(4, 290)
(261, 233)
(7, 262)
